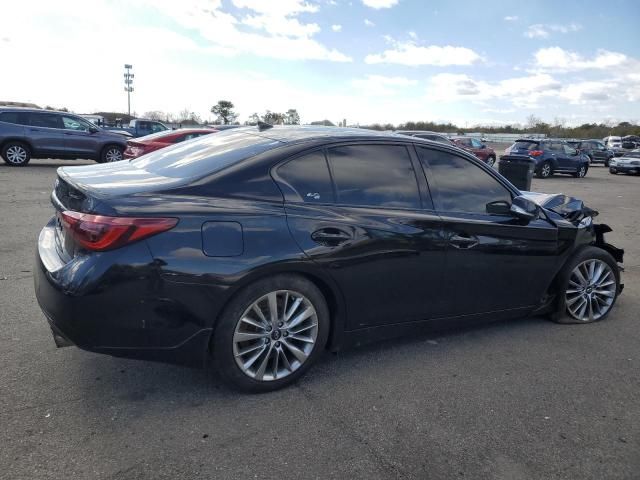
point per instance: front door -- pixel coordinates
(366, 225)
(79, 141)
(494, 261)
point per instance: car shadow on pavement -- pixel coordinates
(130, 383)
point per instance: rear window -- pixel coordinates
(525, 145)
(205, 155)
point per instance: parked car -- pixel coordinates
(614, 143)
(628, 163)
(594, 149)
(259, 249)
(433, 136)
(552, 156)
(141, 128)
(630, 142)
(478, 148)
(34, 133)
(156, 141)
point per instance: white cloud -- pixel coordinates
(336, 28)
(539, 30)
(377, 4)
(411, 54)
(369, 23)
(375, 85)
(558, 58)
(510, 18)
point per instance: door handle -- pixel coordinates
(464, 241)
(331, 237)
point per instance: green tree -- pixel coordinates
(292, 117)
(223, 110)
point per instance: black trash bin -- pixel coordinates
(518, 169)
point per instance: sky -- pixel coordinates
(366, 61)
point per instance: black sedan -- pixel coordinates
(258, 248)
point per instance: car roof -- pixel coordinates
(33, 110)
(294, 134)
(418, 132)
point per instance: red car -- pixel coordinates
(478, 148)
(156, 141)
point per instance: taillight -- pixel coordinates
(535, 153)
(99, 232)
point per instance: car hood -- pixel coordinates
(569, 208)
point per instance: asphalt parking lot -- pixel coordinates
(517, 400)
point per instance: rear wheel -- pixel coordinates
(16, 154)
(271, 333)
(491, 161)
(545, 170)
(111, 153)
(589, 287)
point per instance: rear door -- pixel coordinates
(495, 262)
(79, 141)
(46, 134)
(363, 221)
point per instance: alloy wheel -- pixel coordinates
(591, 291)
(275, 336)
(582, 172)
(546, 170)
(491, 161)
(16, 154)
(113, 155)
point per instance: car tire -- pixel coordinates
(274, 342)
(111, 153)
(545, 170)
(597, 293)
(613, 171)
(16, 154)
(582, 171)
(491, 161)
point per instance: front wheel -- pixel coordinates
(16, 154)
(271, 333)
(582, 172)
(589, 287)
(491, 161)
(111, 153)
(613, 171)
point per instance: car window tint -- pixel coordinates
(374, 175)
(208, 155)
(71, 123)
(309, 177)
(46, 120)
(19, 118)
(476, 143)
(156, 127)
(525, 145)
(569, 150)
(460, 185)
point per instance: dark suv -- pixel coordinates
(552, 156)
(31, 133)
(594, 149)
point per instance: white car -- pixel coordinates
(613, 142)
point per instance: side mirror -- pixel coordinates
(524, 209)
(483, 146)
(93, 130)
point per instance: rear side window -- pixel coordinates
(206, 155)
(374, 176)
(46, 120)
(309, 177)
(460, 186)
(19, 118)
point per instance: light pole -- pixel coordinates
(128, 86)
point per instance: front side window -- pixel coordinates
(309, 176)
(71, 123)
(476, 143)
(461, 186)
(569, 150)
(374, 176)
(156, 127)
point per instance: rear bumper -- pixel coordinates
(99, 305)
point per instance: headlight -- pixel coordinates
(613, 162)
